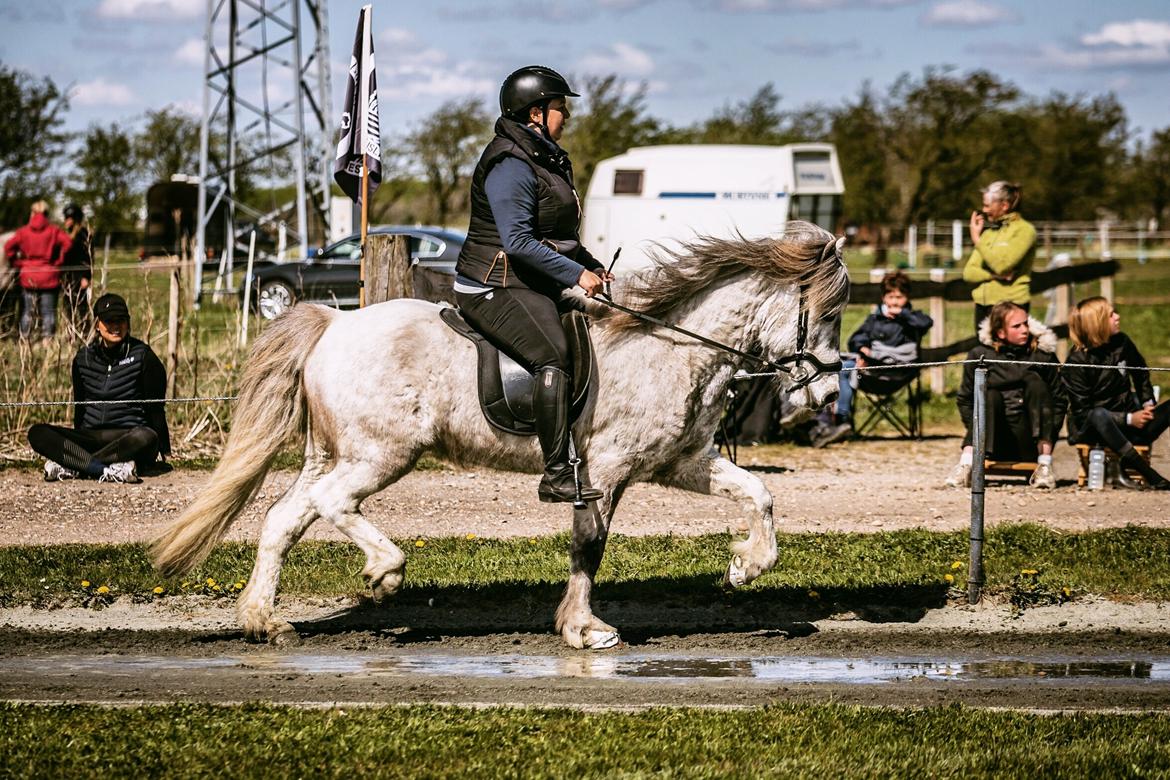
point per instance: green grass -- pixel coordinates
(788, 740)
(1126, 563)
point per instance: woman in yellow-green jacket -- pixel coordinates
(1005, 246)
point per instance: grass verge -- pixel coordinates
(427, 741)
(1028, 564)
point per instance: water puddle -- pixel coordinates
(632, 667)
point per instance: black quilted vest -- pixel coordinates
(558, 210)
(114, 375)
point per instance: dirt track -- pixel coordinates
(184, 649)
(863, 486)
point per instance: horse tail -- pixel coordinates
(270, 409)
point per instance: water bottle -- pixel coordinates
(1096, 468)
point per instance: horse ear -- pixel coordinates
(840, 248)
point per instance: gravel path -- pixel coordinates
(861, 486)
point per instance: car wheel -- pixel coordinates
(274, 299)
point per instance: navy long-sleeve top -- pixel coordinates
(512, 192)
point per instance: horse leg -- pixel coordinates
(338, 496)
(715, 475)
(575, 620)
(285, 522)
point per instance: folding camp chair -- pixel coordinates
(884, 391)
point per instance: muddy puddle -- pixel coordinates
(657, 668)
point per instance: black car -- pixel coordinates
(331, 275)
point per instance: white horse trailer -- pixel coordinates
(670, 194)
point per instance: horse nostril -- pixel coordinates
(831, 398)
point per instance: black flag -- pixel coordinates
(359, 121)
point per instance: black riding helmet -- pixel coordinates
(529, 86)
(73, 212)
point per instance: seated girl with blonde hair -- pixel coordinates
(1107, 406)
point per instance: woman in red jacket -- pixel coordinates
(37, 251)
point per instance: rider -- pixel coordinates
(523, 251)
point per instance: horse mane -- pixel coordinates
(804, 254)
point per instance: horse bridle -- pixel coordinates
(801, 367)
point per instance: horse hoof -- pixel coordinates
(736, 575)
(285, 637)
(601, 640)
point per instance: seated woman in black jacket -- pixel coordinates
(1106, 405)
(1025, 403)
(109, 440)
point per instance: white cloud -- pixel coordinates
(100, 92)
(1139, 33)
(778, 6)
(152, 9)
(966, 13)
(1140, 43)
(621, 58)
(191, 52)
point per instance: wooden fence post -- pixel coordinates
(389, 273)
(938, 333)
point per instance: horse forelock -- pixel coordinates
(805, 254)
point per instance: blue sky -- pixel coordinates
(123, 57)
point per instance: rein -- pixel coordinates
(798, 372)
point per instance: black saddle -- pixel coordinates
(505, 387)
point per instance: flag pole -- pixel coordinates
(365, 230)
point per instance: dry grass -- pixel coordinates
(209, 359)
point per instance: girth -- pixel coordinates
(505, 387)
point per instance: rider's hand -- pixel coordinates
(590, 283)
(1142, 416)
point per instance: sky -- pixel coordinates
(121, 58)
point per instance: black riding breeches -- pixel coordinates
(81, 450)
(1014, 429)
(1100, 428)
(524, 325)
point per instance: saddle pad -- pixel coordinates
(505, 387)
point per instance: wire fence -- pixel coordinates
(738, 376)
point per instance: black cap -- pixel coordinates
(531, 85)
(111, 306)
(73, 212)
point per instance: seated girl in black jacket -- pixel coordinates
(1106, 405)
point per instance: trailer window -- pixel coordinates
(627, 182)
(819, 209)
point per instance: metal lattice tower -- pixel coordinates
(266, 110)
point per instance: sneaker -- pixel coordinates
(55, 471)
(832, 434)
(120, 472)
(1042, 477)
(960, 476)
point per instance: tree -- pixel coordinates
(31, 141)
(1154, 171)
(108, 175)
(858, 131)
(168, 144)
(447, 145)
(1067, 155)
(614, 122)
(943, 134)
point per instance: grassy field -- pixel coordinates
(1026, 564)
(437, 742)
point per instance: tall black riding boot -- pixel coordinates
(550, 405)
(1130, 458)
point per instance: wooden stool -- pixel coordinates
(1009, 468)
(1083, 452)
